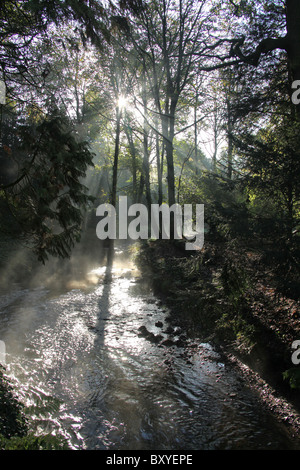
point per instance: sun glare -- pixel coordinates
(122, 102)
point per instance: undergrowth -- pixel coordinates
(213, 291)
(222, 294)
(15, 433)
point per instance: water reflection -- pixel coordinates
(80, 356)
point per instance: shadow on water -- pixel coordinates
(126, 413)
(109, 356)
(157, 395)
(104, 303)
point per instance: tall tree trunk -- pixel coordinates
(230, 153)
(196, 135)
(140, 188)
(215, 129)
(293, 36)
(169, 138)
(230, 127)
(170, 163)
(170, 171)
(290, 43)
(132, 149)
(290, 205)
(113, 198)
(293, 41)
(146, 168)
(159, 165)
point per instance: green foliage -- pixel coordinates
(273, 166)
(212, 286)
(234, 280)
(226, 212)
(12, 419)
(91, 17)
(32, 442)
(293, 377)
(235, 327)
(48, 197)
(15, 422)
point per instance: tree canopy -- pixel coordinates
(163, 101)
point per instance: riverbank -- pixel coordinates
(223, 295)
(15, 432)
(228, 295)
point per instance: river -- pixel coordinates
(102, 365)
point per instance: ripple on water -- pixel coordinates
(85, 371)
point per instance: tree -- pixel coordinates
(42, 191)
(47, 199)
(165, 42)
(271, 20)
(271, 168)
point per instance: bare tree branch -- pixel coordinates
(265, 46)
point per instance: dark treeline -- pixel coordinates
(162, 101)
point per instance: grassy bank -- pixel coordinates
(229, 295)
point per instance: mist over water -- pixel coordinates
(98, 360)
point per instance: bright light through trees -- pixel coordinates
(122, 102)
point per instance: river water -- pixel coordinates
(102, 366)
